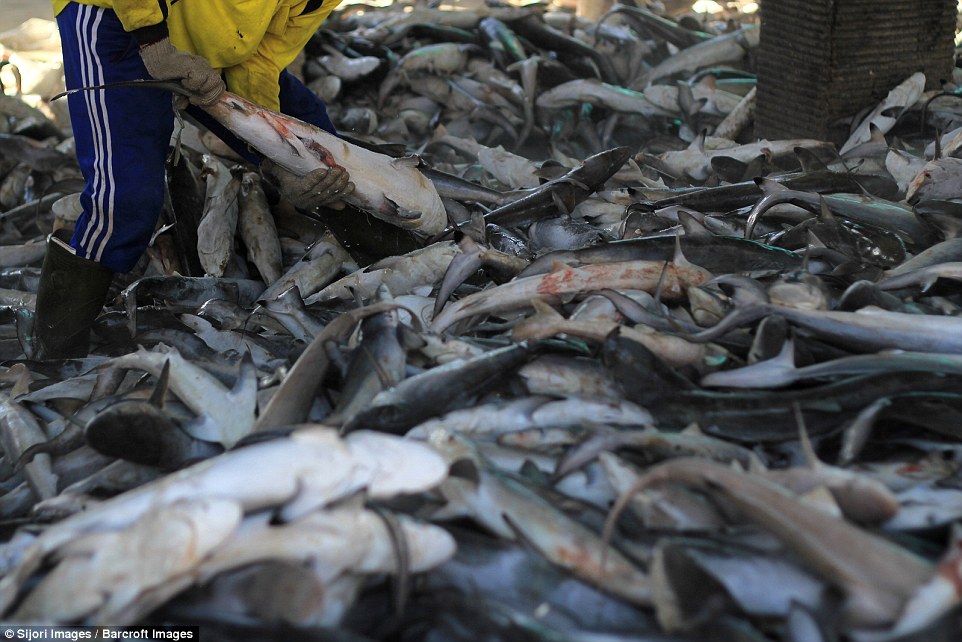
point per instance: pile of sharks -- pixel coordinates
(581, 360)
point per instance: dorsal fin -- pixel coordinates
(769, 186)
(461, 267)
(876, 136)
(685, 97)
(812, 241)
(809, 161)
(550, 170)
(661, 283)
(786, 356)
(355, 295)
(808, 452)
(821, 498)
(709, 82)
(693, 225)
(929, 278)
(824, 213)
(728, 168)
(946, 216)
(160, 390)
(756, 167)
(679, 260)
(24, 379)
(542, 309)
(246, 384)
(544, 323)
(475, 227)
(756, 465)
(693, 429)
(699, 143)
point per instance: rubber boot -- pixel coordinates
(71, 295)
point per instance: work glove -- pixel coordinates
(322, 187)
(164, 62)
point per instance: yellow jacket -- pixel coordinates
(250, 40)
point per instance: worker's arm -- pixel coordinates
(258, 79)
(289, 30)
(146, 20)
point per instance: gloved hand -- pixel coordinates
(323, 186)
(164, 62)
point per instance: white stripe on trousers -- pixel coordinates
(83, 18)
(103, 185)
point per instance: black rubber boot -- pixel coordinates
(71, 295)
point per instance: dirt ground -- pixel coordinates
(14, 12)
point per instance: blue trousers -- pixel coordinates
(122, 135)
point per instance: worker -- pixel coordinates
(122, 134)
